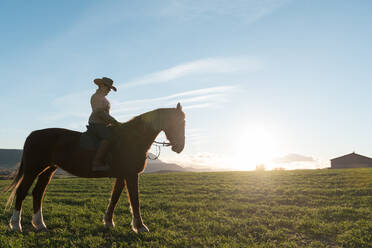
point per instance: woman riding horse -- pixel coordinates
(47, 149)
(100, 119)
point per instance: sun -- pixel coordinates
(253, 146)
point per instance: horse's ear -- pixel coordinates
(179, 107)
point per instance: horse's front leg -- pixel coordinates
(132, 190)
(115, 195)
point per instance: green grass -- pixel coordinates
(319, 208)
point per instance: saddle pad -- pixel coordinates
(88, 141)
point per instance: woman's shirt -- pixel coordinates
(100, 110)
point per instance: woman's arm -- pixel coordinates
(101, 110)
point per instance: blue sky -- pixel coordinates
(282, 82)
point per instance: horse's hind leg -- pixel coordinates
(115, 195)
(38, 194)
(21, 193)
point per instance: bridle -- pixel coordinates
(158, 145)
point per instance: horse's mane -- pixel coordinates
(152, 118)
(140, 118)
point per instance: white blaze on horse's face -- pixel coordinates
(175, 132)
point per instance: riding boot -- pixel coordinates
(98, 162)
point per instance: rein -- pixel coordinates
(158, 146)
(162, 143)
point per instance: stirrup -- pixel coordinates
(100, 167)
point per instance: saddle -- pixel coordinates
(90, 142)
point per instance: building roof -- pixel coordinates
(354, 155)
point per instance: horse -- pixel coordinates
(48, 149)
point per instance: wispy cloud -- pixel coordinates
(207, 66)
(190, 99)
(202, 98)
(198, 160)
(199, 98)
(294, 161)
(246, 10)
(64, 115)
(198, 106)
(74, 105)
(196, 136)
(72, 98)
(198, 92)
(293, 157)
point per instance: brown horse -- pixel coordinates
(46, 150)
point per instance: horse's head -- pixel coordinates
(174, 129)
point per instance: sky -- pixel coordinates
(286, 83)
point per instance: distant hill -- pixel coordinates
(9, 158)
(160, 166)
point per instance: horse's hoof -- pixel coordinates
(108, 223)
(43, 229)
(15, 227)
(39, 227)
(141, 229)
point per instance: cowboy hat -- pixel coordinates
(105, 81)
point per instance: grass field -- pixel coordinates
(318, 208)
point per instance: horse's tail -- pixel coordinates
(18, 176)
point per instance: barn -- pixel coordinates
(352, 160)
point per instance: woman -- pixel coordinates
(100, 119)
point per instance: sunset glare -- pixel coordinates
(254, 146)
